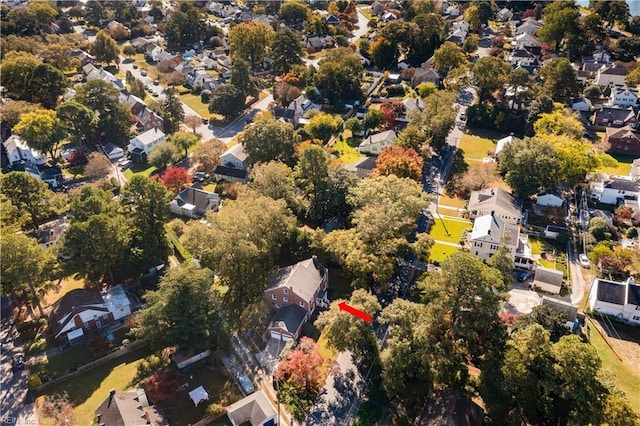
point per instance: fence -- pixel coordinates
(122, 351)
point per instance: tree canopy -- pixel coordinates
(250, 41)
(268, 139)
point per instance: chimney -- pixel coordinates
(112, 393)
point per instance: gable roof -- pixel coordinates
(622, 132)
(611, 292)
(76, 298)
(493, 197)
(128, 409)
(303, 278)
(254, 409)
(231, 171)
(487, 227)
(614, 114)
(367, 163)
(379, 137)
(503, 142)
(570, 311)
(612, 69)
(633, 294)
(548, 276)
(623, 185)
(150, 136)
(196, 197)
(237, 151)
(289, 318)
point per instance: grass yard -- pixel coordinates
(623, 167)
(539, 245)
(476, 147)
(87, 391)
(73, 358)
(440, 252)
(626, 377)
(449, 229)
(445, 200)
(142, 169)
(346, 153)
(66, 284)
(210, 187)
(196, 104)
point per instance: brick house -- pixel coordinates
(303, 286)
(622, 141)
(615, 117)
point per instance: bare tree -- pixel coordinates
(98, 165)
(192, 121)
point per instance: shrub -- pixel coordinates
(34, 381)
(37, 346)
(215, 410)
(632, 232)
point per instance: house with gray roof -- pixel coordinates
(489, 233)
(194, 202)
(91, 72)
(375, 143)
(548, 280)
(569, 310)
(253, 410)
(497, 201)
(615, 117)
(131, 408)
(303, 285)
(615, 298)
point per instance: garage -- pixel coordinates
(278, 335)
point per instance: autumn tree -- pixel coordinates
(206, 156)
(322, 126)
(104, 48)
(175, 179)
(59, 408)
(478, 176)
(98, 165)
(300, 373)
(164, 321)
(41, 130)
(404, 163)
(269, 140)
(249, 41)
(162, 387)
(163, 154)
(12, 110)
(183, 141)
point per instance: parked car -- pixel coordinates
(584, 261)
(524, 275)
(18, 362)
(156, 82)
(200, 176)
(143, 73)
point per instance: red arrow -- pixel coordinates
(355, 312)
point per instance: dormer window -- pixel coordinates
(285, 290)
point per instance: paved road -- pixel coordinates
(363, 27)
(16, 407)
(578, 284)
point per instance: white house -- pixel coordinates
(113, 152)
(529, 26)
(302, 105)
(526, 40)
(601, 56)
(616, 191)
(374, 144)
(145, 142)
(255, 410)
(194, 203)
(17, 151)
(611, 75)
(504, 15)
(490, 233)
(548, 280)
(495, 201)
(581, 104)
(501, 143)
(521, 57)
(620, 299)
(549, 200)
(235, 157)
(623, 96)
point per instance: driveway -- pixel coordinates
(578, 284)
(16, 406)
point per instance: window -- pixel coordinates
(285, 299)
(636, 318)
(274, 297)
(285, 291)
(302, 304)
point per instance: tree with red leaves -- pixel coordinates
(404, 163)
(162, 386)
(391, 111)
(300, 377)
(175, 179)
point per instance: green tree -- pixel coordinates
(436, 119)
(489, 75)
(576, 160)
(184, 27)
(184, 141)
(128, 50)
(383, 53)
(293, 12)
(286, 49)
(41, 130)
(275, 180)
(241, 78)
(312, 172)
(353, 124)
(136, 88)
(612, 11)
(104, 48)
(634, 76)
(411, 137)
(322, 126)
(269, 140)
(470, 44)
(47, 85)
(560, 80)
(25, 268)
(227, 101)
(171, 111)
(76, 119)
(17, 71)
(343, 332)
(558, 123)
(528, 165)
(340, 76)
(550, 319)
(593, 26)
(502, 260)
(373, 118)
(114, 119)
(561, 24)
(163, 154)
(250, 41)
(12, 110)
(164, 321)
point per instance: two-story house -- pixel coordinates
(141, 146)
(619, 299)
(194, 202)
(295, 291)
(611, 75)
(490, 233)
(235, 157)
(495, 201)
(622, 141)
(615, 191)
(17, 151)
(375, 143)
(623, 96)
(522, 57)
(615, 117)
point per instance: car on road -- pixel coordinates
(524, 275)
(18, 362)
(200, 176)
(463, 117)
(156, 82)
(584, 261)
(143, 73)
(154, 94)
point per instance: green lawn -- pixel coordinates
(88, 390)
(539, 245)
(346, 153)
(440, 252)
(626, 377)
(445, 200)
(476, 147)
(59, 364)
(196, 104)
(623, 167)
(141, 169)
(450, 230)
(66, 284)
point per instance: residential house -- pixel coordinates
(254, 410)
(611, 75)
(623, 96)
(148, 120)
(83, 57)
(300, 288)
(529, 26)
(18, 151)
(452, 11)
(588, 71)
(390, 15)
(501, 143)
(131, 408)
(549, 199)
(581, 104)
(332, 20)
(374, 144)
(223, 10)
(495, 201)
(85, 310)
(615, 117)
(615, 191)
(601, 55)
(302, 105)
(504, 15)
(200, 78)
(155, 53)
(457, 36)
(425, 75)
(194, 202)
(91, 72)
(235, 157)
(113, 152)
(412, 104)
(527, 41)
(547, 280)
(569, 310)
(284, 114)
(619, 299)
(141, 146)
(450, 408)
(365, 166)
(318, 42)
(140, 44)
(134, 103)
(230, 174)
(490, 233)
(522, 57)
(49, 175)
(634, 172)
(622, 141)
(50, 232)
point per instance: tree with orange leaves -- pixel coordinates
(404, 163)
